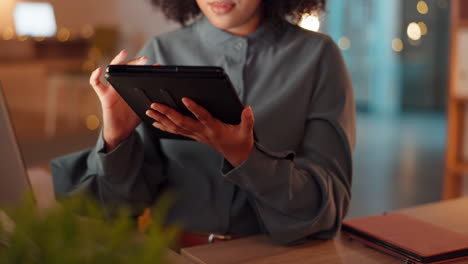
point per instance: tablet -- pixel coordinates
(210, 87)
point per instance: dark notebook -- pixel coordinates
(409, 238)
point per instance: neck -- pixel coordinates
(244, 30)
(248, 27)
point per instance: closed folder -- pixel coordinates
(408, 238)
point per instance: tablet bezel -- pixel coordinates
(209, 86)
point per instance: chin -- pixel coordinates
(224, 23)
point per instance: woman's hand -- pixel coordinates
(119, 120)
(234, 142)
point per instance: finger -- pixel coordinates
(177, 118)
(138, 61)
(120, 58)
(200, 113)
(155, 115)
(166, 124)
(96, 83)
(247, 120)
(157, 64)
(169, 130)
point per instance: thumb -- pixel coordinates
(247, 120)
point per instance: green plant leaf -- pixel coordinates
(59, 235)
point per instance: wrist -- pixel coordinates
(111, 139)
(114, 131)
(238, 157)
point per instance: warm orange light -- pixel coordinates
(23, 38)
(422, 7)
(87, 31)
(397, 45)
(63, 34)
(8, 34)
(423, 28)
(92, 122)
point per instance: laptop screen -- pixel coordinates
(13, 178)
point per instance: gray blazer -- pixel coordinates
(296, 182)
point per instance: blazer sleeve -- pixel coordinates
(305, 193)
(130, 174)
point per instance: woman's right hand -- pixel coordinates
(119, 120)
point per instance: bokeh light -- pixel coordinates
(310, 22)
(423, 28)
(8, 33)
(92, 122)
(23, 38)
(344, 43)
(87, 31)
(422, 7)
(397, 45)
(63, 34)
(414, 31)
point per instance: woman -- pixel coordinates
(292, 182)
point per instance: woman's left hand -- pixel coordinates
(234, 142)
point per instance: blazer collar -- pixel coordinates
(213, 36)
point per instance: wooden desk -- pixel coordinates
(452, 214)
(175, 258)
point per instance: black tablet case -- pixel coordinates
(210, 87)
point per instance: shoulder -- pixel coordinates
(315, 47)
(181, 34)
(306, 38)
(168, 43)
(177, 36)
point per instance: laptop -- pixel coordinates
(14, 180)
(408, 238)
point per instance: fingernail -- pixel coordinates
(249, 112)
(185, 101)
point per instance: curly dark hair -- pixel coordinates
(280, 10)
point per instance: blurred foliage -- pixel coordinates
(60, 235)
